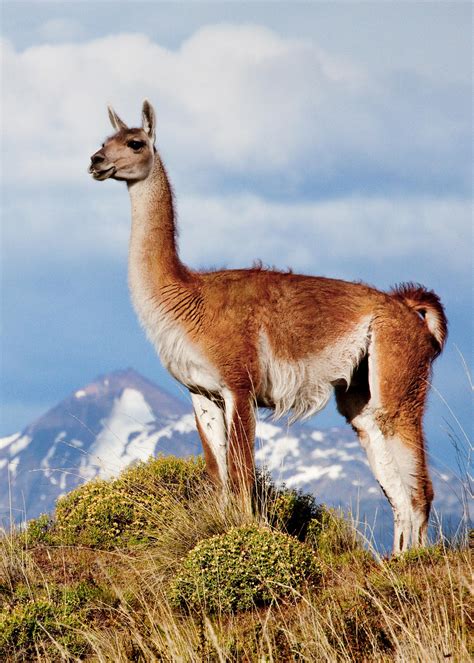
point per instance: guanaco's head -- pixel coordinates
(128, 155)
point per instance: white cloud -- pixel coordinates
(61, 226)
(326, 237)
(236, 101)
(243, 114)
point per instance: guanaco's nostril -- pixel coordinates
(97, 158)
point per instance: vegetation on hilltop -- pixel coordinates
(152, 566)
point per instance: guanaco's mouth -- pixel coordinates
(102, 174)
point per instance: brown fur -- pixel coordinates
(224, 313)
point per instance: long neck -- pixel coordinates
(153, 249)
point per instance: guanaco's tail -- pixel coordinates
(428, 305)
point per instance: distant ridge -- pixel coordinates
(122, 417)
(97, 430)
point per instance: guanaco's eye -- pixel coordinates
(135, 144)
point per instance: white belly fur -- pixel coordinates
(305, 386)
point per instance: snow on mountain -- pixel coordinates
(122, 417)
(97, 431)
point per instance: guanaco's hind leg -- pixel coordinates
(385, 406)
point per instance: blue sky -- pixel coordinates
(335, 138)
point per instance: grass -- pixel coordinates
(103, 580)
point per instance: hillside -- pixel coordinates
(121, 418)
(151, 566)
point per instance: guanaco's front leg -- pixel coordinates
(240, 420)
(212, 428)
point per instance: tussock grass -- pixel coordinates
(95, 581)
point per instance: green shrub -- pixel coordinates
(414, 556)
(136, 507)
(298, 514)
(332, 535)
(47, 617)
(25, 624)
(38, 529)
(288, 510)
(122, 511)
(243, 568)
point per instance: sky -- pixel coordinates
(335, 138)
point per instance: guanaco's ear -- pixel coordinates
(148, 120)
(115, 121)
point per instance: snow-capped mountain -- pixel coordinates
(97, 431)
(122, 417)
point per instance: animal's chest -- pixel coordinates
(183, 359)
(178, 353)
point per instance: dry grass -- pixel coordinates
(74, 602)
(394, 611)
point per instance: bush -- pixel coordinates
(298, 514)
(38, 530)
(332, 535)
(121, 511)
(27, 623)
(139, 505)
(48, 620)
(286, 509)
(243, 568)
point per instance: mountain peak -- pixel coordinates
(103, 426)
(82, 407)
(113, 384)
(128, 373)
